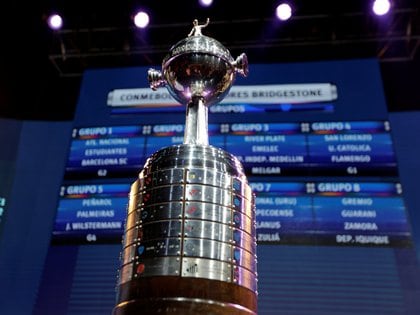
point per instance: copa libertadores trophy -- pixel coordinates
(189, 243)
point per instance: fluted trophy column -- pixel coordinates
(189, 244)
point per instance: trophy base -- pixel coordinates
(178, 295)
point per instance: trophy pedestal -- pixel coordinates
(177, 295)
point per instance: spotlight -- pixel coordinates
(283, 11)
(205, 3)
(55, 21)
(141, 19)
(381, 7)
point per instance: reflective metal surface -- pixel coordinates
(163, 211)
(198, 66)
(191, 211)
(245, 278)
(208, 211)
(159, 247)
(190, 243)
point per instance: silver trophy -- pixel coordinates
(189, 244)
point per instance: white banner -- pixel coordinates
(241, 94)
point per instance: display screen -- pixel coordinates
(312, 149)
(269, 98)
(91, 213)
(303, 149)
(351, 212)
(331, 213)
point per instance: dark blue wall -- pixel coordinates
(406, 135)
(40, 158)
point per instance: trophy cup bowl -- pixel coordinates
(198, 66)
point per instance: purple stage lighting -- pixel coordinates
(55, 21)
(141, 19)
(205, 3)
(381, 7)
(283, 11)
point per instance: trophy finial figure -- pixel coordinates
(196, 30)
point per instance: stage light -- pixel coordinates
(141, 19)
(55, 21)
(205, 3)
(283, 11)
(381, 7)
